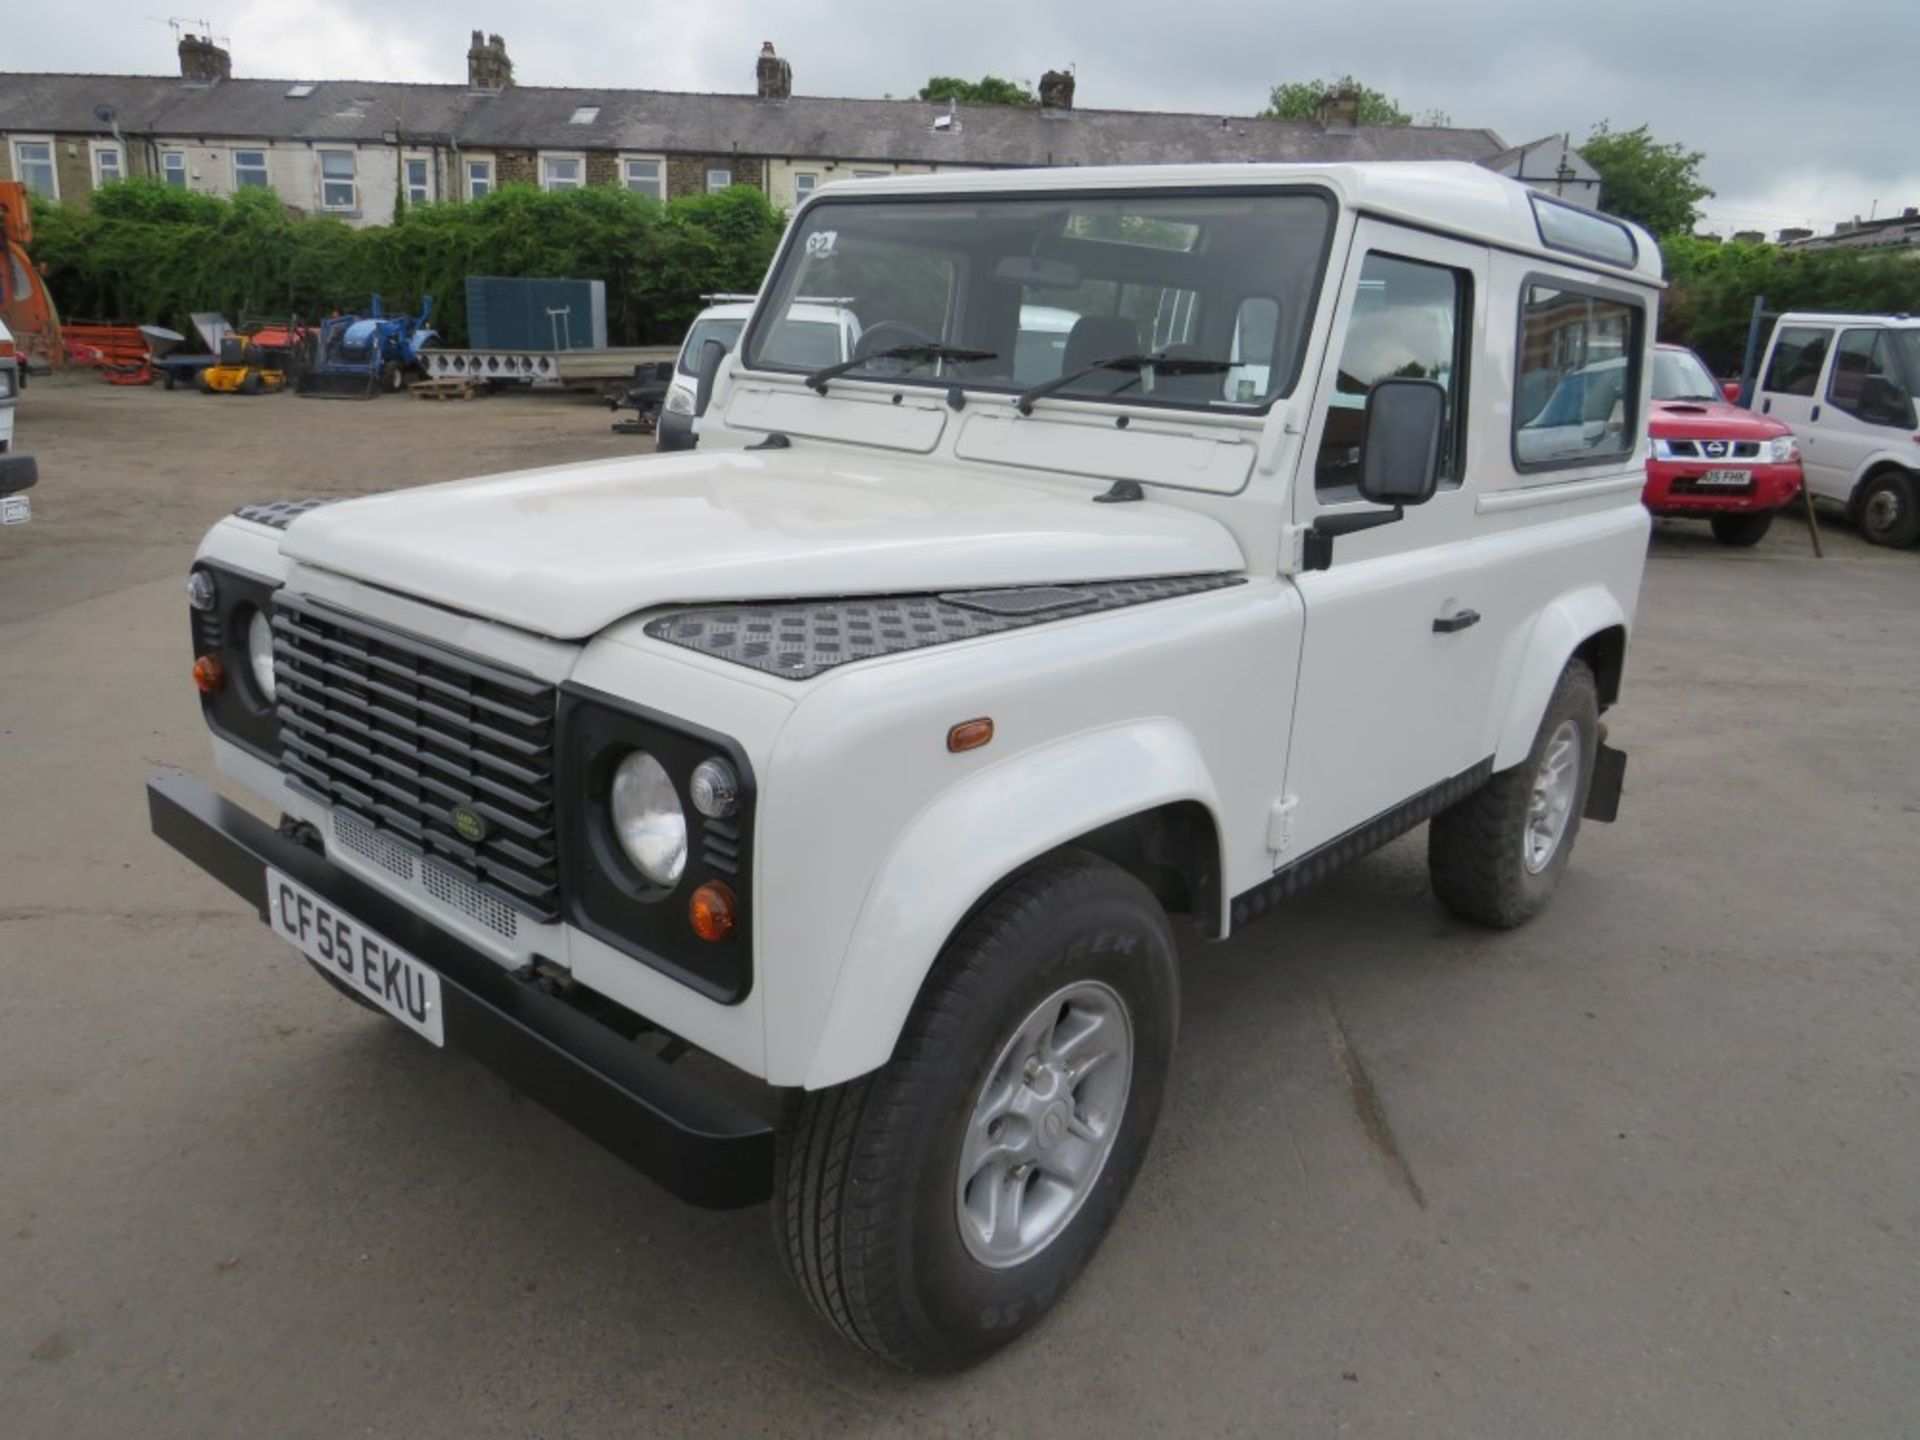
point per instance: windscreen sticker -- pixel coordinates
(820, 244)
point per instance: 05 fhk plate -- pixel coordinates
(358, 957)
(1724, 477)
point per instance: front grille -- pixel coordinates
(401, 733)
(1705, 449)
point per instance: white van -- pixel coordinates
(815, 334)
(1846, 384)
(875, 750)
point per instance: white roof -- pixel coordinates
(1445, 195)
(1827, 317)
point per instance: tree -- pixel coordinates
(1300, 100)
(987, 90)
(1642, 180)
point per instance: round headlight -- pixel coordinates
(260, 653)
(200, 590)
(648, 820)
(715, 789)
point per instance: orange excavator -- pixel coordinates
(25, 306)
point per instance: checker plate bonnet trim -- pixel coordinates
(799, 639)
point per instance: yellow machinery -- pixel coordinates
(254, 364)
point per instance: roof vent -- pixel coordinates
(300, 91)
(585, 115)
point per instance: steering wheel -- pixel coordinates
(888, 334)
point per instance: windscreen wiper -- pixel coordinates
(919, 353)
(1138, 364)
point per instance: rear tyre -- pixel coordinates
(936, 1208)
(202, 383)
(1742, 530)
(250, 385)
(393, 378)
(1496, 857)
(1890, 510)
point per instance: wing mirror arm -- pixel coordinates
(1317, 544)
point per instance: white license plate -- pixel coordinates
(15, 509)
(354, 955)
(1724, 477)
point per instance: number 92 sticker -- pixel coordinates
(820, 244)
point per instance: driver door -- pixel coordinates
(1396, 670)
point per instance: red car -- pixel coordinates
(1712, 460)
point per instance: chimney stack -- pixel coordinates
(1056, 90)
(488, 67)
(774, 75)
(202, 61)
(1340, 109)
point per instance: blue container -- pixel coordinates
(505, 313)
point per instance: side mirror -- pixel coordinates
(1730, 389)
(712, 356)
(1400, 446)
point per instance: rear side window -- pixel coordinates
(1798, 354)
(1408, 322)
(1577, 379)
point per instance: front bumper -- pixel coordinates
(697, 1144)
(1668, 489)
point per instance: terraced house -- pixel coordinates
(354, 148)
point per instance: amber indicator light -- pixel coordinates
(711, 911)
(970, 734)
(208, 677)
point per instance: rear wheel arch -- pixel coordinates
(1605, 654)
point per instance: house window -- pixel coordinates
(250, 170)
(33, 165)
(644, 178)
(173, 168)
(718, 180)
(337, 188)
(805, 182)
(1577, 383)
(562, 172)
(419, 180)
(479, 178)
(106, 165)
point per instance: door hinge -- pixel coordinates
(1280, 824)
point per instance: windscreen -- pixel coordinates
(1679, 375)
(1199, 300)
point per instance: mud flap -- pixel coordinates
(1609, 775)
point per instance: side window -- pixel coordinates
(1798, 354)
(1576, 379)
(1408, 322)
(1866, 382)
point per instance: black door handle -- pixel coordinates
(1459, 620)
(1816, 412)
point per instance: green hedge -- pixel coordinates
(1709, 301)
(147, 253)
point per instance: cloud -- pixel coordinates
(1803, 111)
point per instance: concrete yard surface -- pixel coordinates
(1648, 1166)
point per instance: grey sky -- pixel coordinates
(1804, 110)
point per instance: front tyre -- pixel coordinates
(1890, 510)
(935, 1209)
(1496, 857)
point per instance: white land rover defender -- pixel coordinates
(877, 747)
